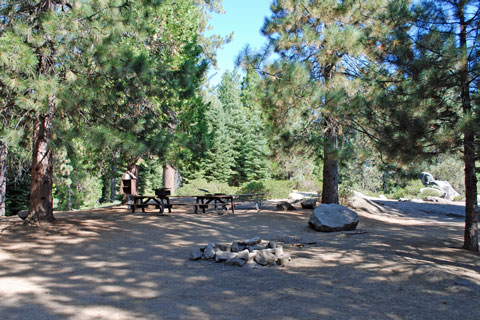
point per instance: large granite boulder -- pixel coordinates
(333, 217)
(448, 192)
(445, 189)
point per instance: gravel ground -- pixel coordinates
(404, 263)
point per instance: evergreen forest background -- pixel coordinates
(346, 95)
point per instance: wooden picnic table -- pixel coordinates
(144, 201)
(224, 200)
(161, 202)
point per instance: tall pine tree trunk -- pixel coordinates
(330, 163)
(69, 193)
(169, 177)
(471, 217)
(113, 183)
(3, 178)
(41, 198)
(105, 188)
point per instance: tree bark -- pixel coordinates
(69, 193)
(3, 178)
(41, 198)
(105, 188)
(133, 168)
(113, 184)
(471, 217)
(330, 163)
(169, 177)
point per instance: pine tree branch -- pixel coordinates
(126, 5)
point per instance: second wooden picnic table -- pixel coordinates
(223, 200)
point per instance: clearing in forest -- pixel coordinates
(112, 264)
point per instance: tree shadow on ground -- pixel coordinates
(114, 264)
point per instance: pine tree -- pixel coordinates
(220, 160)
(256, 158)
(236, 122)
(119, 65)
(420, 88)
(323, 36)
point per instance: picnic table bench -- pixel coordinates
(162, 202)
(257, 198)
(142, 202)
(224, 200)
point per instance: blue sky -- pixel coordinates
(245, 19)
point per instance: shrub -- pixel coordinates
(430, 193)
(193, 188)
(278, 189)
(344, 193)
(253, 187)
(411, 190)
(273, 189)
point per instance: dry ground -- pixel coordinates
(112, 264)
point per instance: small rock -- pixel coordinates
(253, 241)
(252, 255)
(235, 262)
(283, 260)
(309, 203)
(196, 254)
(271, 244)
(265, 257)
(223, 247)
(278, 251)
(224, 256)
(22, 214)
(245, 255)
(255, 247)
(285, 206)
(209, 251)
(237, 247)
(251, 265)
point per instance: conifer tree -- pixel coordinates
(256, 158)
(236, 123)
(322, 36)
(419, 88)
(220, 160)
(107, 63)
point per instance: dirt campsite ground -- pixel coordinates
(403, 263)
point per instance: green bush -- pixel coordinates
(193, 188)
(430, 193)
(278, 189)
(273, 189)
(344, 193)
(253, 187)
(411, 190)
